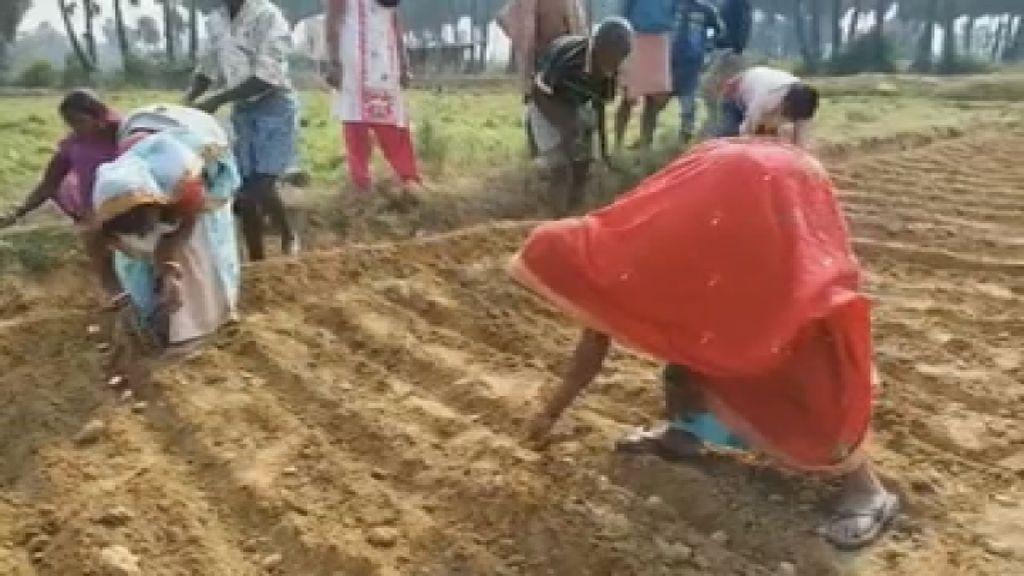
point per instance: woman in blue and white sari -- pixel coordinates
(165, 207)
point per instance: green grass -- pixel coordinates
(474, 133)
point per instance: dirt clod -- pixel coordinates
(382, 537)
(118, 560)
(91, 432)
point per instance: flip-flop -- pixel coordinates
(651, 441)
(881, 515)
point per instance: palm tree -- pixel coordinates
(11, 14)
(881, 11)
(122, 33)
(67, 10)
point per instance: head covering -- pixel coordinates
(122, 185)
(735, 262)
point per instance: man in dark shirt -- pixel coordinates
(576, 77)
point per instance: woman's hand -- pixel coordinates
(9, 219)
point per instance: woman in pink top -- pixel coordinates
(69, 177)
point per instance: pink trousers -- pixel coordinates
(394, 142)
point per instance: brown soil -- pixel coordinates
(365, 417)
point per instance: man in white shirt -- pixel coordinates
(771, 102)
(249, 44)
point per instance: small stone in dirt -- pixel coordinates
(115, 381)
(91, 432)
(1004, 500)
(272, 561)
(119, 561)
(382, 537)
(787, 569)
(139, 407)
(92, 329)
(720, 537)
(701, 563)
(998, 548)
(675, 552)
(116, 516)
(127, 396)
(103, 347)
(290, 471)
(655, 501)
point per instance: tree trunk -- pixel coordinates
(169, 30)
(997, 39)
(923, 59)
(800, 27)
(881, 9)
(5, 65)
(76, 45)
(837, 27)
(122, 35)
(88, 12)
(949, 57)
(851, 31)
(1014, 47)
(969, 35)
(193, 31)
(815, 36)
(485, 40)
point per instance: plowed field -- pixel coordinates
(365, 416)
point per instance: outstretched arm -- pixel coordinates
(591, 351)
(54, 175)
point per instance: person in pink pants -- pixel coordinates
(368, 67)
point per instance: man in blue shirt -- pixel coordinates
(647, 73)
(698, 29)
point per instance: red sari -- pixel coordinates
(735, 262)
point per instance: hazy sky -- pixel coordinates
(48, 10)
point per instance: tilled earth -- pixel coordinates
(366, 416)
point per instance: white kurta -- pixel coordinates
(371, 90)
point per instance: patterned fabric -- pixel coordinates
(255, 43)
(161, 169)
(564, 73)
(371, 89)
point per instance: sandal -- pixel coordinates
(880, 515)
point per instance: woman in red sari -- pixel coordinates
(734, 266)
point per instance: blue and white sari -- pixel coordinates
(189, 155)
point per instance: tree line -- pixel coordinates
(841, 36)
